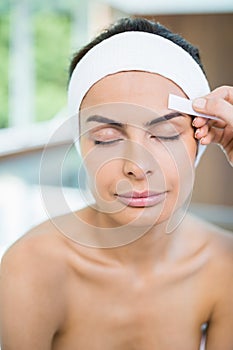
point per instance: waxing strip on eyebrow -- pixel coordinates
(184, 105)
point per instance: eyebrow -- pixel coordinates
(164, 118)
(105, 120)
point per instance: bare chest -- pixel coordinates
(126, 314)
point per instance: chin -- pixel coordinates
(118, 215)
(144, 217)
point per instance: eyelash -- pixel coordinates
(102, 143)
(164, 138)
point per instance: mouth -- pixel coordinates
(141, 199)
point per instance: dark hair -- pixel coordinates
(141, 25)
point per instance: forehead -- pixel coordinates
(142, 88)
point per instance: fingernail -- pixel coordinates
(197, 132)
(202, 140)
(194, 122)
(199, 103)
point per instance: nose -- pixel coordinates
(138, 162)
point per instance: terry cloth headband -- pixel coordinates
(140, 51)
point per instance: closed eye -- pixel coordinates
(166, 138)
(104, 143)
(106, 135)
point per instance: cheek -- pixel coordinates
(107, 172)
(103, 175)
(177, 163)
(183, 152)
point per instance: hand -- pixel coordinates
(218, 103)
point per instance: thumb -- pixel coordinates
(217, 107)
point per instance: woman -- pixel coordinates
(138, 271)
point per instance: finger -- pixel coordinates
(206, 140)
(221, 124)
(216, 135)
(210, 137)
(202, 132)
(217, 107)
(198, 122)
(224, 92)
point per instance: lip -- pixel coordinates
(141, 199)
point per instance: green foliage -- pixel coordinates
(52, 49)
(4, 57)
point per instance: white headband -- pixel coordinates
(141, 51)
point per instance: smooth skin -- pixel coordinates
(153, 293)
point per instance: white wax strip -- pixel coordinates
(184, 105)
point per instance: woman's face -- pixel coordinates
(138, 154)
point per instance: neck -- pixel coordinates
(157, 243)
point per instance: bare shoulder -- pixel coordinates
(39, 260)
(218, 284)
(218, 243)
(36, 249)
(33, 276)
(45, 252)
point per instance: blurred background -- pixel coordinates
(37, 40)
